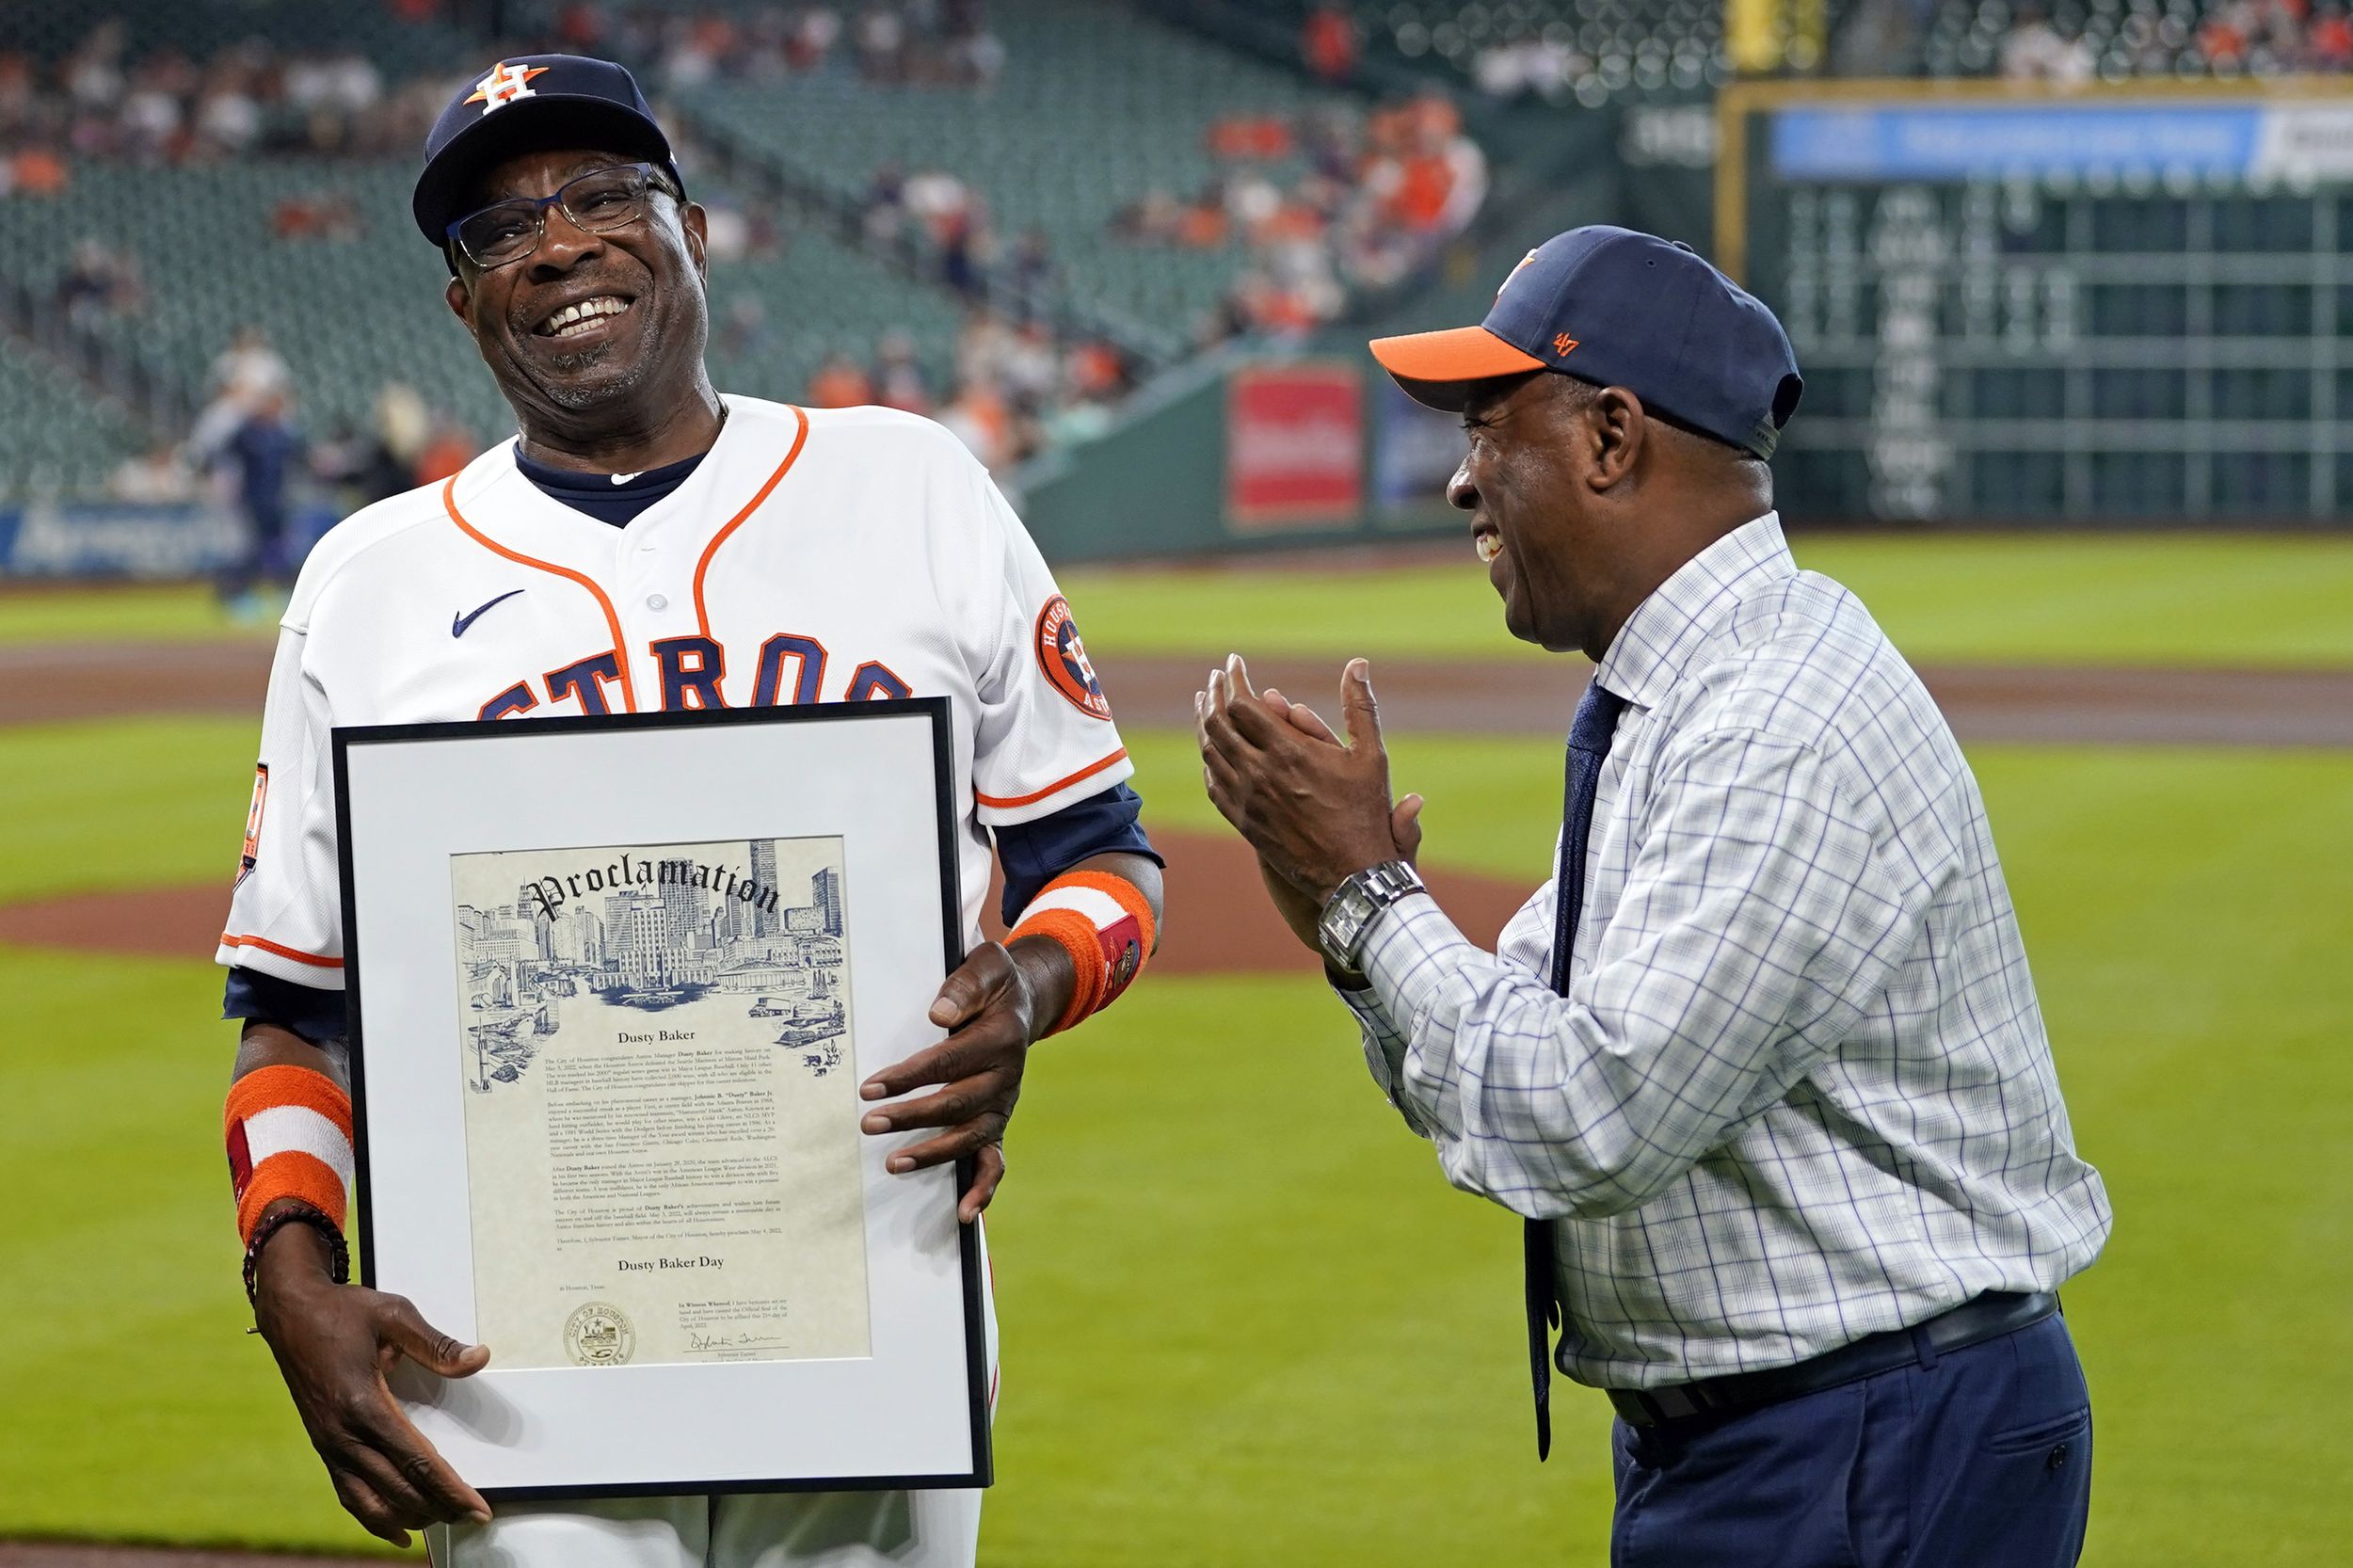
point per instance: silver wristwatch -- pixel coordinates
(1356, 904)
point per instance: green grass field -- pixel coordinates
(2190, 599)
(2186, 600)
(1246, 1320)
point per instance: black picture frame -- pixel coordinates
(936, 711)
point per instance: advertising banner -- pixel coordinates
(1998, 141)
(2291, 141)
(63, 539)
(1294, 446)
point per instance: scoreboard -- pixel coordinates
(2093, 309)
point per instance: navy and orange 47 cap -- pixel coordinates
(531, 104)
(1619, 307)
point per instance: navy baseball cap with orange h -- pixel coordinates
(1617, 308)
(531, 104)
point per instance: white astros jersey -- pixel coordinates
(813, 556)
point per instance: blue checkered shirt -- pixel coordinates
(1798, 1091)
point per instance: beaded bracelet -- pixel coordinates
(338, 1252)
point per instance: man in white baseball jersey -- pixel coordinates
(646, 544)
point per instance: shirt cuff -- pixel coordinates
(1409, 952)
(1385, 1044)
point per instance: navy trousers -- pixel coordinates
(1979, 1458)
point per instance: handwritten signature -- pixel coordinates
(729, 1342)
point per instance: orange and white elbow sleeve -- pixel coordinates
(1105, 923)
(289, 1134)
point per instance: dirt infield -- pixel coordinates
(2095, 706)
(1208, 872)
(1985, 702)
(1220, 921)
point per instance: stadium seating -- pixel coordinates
(200, 28)
(2116, 39)
(346, 314)
(1638, 46)
(349, 315)
(1084, 119)
(818, 296)
(1138, 98)
(61, 434)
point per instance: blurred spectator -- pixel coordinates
(159, 476)
(1380, 200)
(250, 367)
(1201, 225)
(884, 207)
(580, 28)
(1031, 273)
(2036, 51)
(1095, 372)
(812, 37)
(1529, 63)
(1017, 387)
(260, 455)
(976, 60)
(383, 462)
(1250, 136)
(1032, 371)
(243, 377)
(2330, 44)
(898, 378)
(100, 282)
(882, 45)
(964, 253)
(403, 426)
(980, 417)
(91, 74)
(839, 384)
(35, 171)
(983, 346)
(938, 200)
(1327, 44)
(228, 119)
(250, 99)
(317, 216)
(446, 451)
(728, 233)
(1880, 37)
(1149, 219)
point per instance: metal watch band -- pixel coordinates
(1349, 918)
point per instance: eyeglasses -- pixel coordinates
(594, 203)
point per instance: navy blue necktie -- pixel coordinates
(1589, 735)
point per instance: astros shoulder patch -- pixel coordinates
(1064, 659)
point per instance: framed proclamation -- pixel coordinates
(613, 982)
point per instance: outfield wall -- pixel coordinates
(2119, 303)
(44, 539)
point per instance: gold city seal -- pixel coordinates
(598, 1336)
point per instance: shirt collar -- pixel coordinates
(1668, 629)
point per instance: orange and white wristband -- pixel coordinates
(1104, 923)
(289, 1134)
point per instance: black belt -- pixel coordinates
(1988, 1317)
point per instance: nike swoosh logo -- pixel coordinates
(623, 478)
(458, 624)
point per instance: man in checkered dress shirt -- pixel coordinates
(1800, 1090)
(1799, 1181)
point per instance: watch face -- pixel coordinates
(1343, 920)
